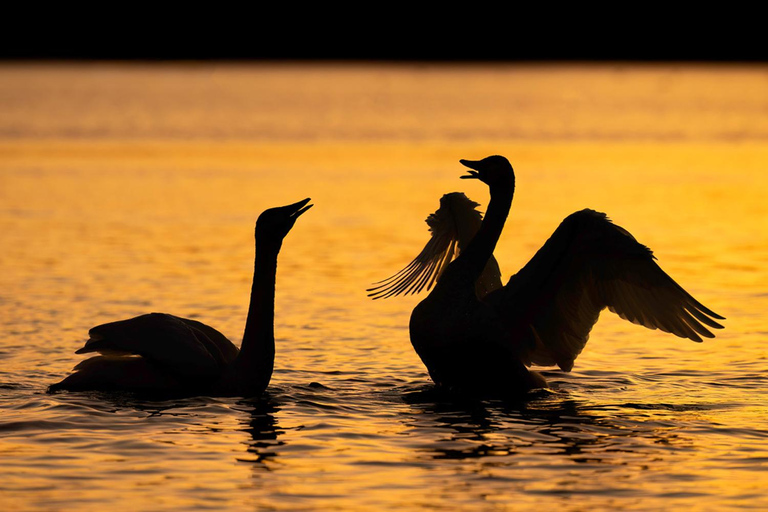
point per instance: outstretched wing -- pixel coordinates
(452, 227)
(186, 347)
(589, 264)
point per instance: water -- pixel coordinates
(129, 189)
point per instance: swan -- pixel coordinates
(478, 336)
(162, 353)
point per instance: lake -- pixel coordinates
(131, 188)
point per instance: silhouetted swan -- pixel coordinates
(163, 353)
(475, 335)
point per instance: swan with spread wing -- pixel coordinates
(162, 353)
(479, 336)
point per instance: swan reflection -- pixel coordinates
(550, 425)
(260, 423)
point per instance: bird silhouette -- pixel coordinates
(476, 335)
(162, 353)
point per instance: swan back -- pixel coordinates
(184, 347)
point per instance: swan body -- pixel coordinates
(475, 335)
(162, 353)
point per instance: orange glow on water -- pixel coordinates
(94, 230)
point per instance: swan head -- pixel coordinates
(493, 170)
(273, 224)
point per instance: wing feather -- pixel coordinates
(587, 265)
(179, 344)
(452, 227)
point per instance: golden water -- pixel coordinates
(129, 189)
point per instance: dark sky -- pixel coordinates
(469, 32)
(361, 50)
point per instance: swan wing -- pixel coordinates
(589, 264)
(452, 227)
(218, 345)
(186, 347)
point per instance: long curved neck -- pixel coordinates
(255, 362)
(481, 248)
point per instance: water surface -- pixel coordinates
(130, 189)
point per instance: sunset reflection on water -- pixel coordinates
(157, 214)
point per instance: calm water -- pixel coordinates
(125, 190)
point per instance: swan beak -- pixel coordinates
(474, 174)
(297, 209)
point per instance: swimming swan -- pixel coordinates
(477, 336)
(158, 352)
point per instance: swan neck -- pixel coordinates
(481, 248)
(255, 361)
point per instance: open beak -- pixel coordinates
(297, 209)
(474, 173)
